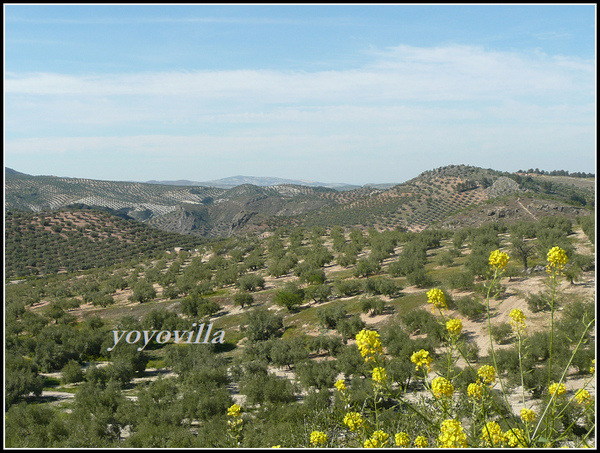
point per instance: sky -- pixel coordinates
(352, 94)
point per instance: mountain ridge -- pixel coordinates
(425, 201)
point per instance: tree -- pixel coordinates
(71, 372)
(288, 352)
(197, 306)
(330, 315)
(366, 267)
(316, 374)
(34, 425)
(289, 296)
(522, 250)
(372, 304)
(21, 378)
(318, 293)
(262, 324)
(251, 282)
(241, 299)
(143, 292)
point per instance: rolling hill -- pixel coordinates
(434, 198)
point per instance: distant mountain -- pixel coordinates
(10, 171)
(234, 181)
(449, 197)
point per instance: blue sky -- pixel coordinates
(354, 94)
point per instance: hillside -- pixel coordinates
(76, 240)
(289, 307)
(425, 201)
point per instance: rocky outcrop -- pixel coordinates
(502, 186)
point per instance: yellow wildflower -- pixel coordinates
(527, 415)
(318, 437)
(378, 438)
(402, 439)
(582, 396)
(442, 387)
(379, 375)
(557, 258)
(487, 374)
(421, 442)
(498, 259)
(517, 320)
(421, 359)
(234, 411)
(368, 344)
(276, 446)
(491, 434)
(557, 389)
(454, 326)
(452, 435)
(436, 297)
(340, 385)
(353, 420)
(515, 438)
(593, 367)
(475, 391)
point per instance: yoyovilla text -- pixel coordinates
(179, 336)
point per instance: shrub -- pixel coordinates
(71, 372)
(462, 280)
(537, 302)
(420, 278)
(348, 328)
(502, 333)
(469, 307)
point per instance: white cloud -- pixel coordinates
(436, 102)
(401, 73)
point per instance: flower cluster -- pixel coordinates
(452, 435)
(475, 391)
(421, 442)
(402, 439)
(487, 374)
(234, 411)
(593, 367)
(515, 438)
(340, 384)
(517, 320)
(498, 259)
(557, 258)
(436, 297)
(454, 326)
(353, 420)
(442, 387)
(582, 396)
(369, 344)
(379, 375)
(492, 435)
(318, 437)
(421, 359)
(527, 415)
(557, 389)
(377, 439)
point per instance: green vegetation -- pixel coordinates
(290, 318)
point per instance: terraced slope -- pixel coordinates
(424, 201)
